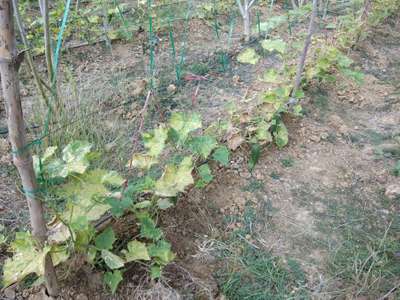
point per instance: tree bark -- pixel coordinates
(16, 128)
(302, 60)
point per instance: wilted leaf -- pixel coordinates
(106, 239)
(74, 156)
(113, 279)
(202, 145)
(155, 141)
(277, 45)
(262, 132)
(183, 124)
(248, 56)
(175, 179)
(281, 135)
(112, 261)
(235, 141)
(221, 154)
(136, 251)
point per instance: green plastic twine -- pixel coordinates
(60, 37)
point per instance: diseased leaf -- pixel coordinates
(161, 252)
(277, 45)
(136, 251)
(155, 141)
(221, 154)
(175, 179)
(203, 145)
(281, 135)
(143, 204)
(106, 239)
(27, 259)
(113, 179)
(182, 124)
(272, 23)
(148, 229)
(142, 161)
(112, 261)
(248, 56)
(205, 175)
(262, 132)
(271, 76)
(113, 279)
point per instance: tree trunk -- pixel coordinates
(21, 154)
(300, 65)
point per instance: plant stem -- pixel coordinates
(16, 128)
(29, 58)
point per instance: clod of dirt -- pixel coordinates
(393, 191)
(81, 297)
(9, 292)
(337, 122)
(137, 87)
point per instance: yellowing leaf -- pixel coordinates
(142, 161)
(136, 251)
(175, 179)
(281, 135)
(277, 45)
(112, 178)
(248, 56)
(112, 261)
(155, 141)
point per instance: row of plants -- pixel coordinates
(175, 156)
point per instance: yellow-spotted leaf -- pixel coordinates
(175, 179)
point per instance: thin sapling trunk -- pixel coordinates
(16, 128)
(244, 9)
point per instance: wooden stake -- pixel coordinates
(16, 128)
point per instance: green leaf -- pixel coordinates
(142, 161)
(203, 145)
(221, 154)
(155, 272)
(281, 135)
(254, 156)
(113, 279)
(143, 204)
(248, 56)
(205, 175)
(164, 203)
(118, 206)
(161, 252)
(112, 261)
(106, 239)
(277, 45)
(3, 239)
(183, 124)
(136, 251)
(175, 179)
(155, 141)
(113, 179)
(148, 229)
